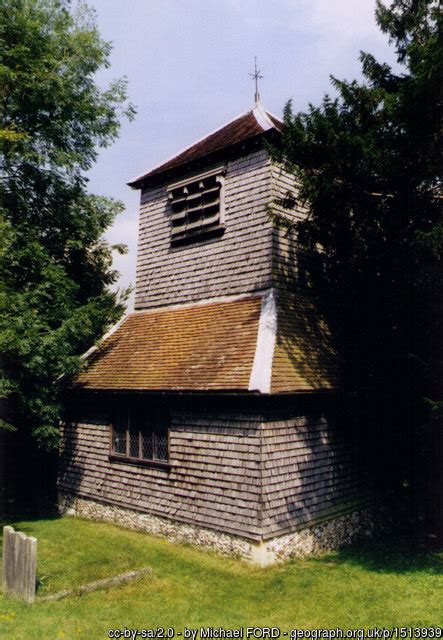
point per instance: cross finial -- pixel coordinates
(256, 76)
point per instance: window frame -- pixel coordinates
(202, 232)
(126, 457)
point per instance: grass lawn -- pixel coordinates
(361, 587)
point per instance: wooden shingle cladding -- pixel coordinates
(252, 255)
(238, 262)
(286, 253)
(311, 468)
(251, 467)
(305, 358)
(213, 480)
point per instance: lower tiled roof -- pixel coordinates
(248, 344)
(201, 347)
(304, 357)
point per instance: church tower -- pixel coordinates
(208, 413)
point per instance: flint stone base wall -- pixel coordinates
(326, 536)
(164, 527)
(309, 541)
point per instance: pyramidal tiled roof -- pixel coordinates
(199, 347)
(262, 343)
(246, 126)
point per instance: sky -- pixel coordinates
(187, 64)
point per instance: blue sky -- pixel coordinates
(187, 64)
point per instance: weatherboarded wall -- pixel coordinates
(305, 357)
(214, 479)
(237, 262)
(310, 471)
(286, 254)
(251, 468)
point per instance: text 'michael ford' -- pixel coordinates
(212, 633)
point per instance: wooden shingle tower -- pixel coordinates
(208, 414)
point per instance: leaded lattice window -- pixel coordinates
(140, 433)
(197, 206)
(119, 433)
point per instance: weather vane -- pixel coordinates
(256, 76)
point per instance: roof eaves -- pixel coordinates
(107, 335)
(265, 120)
(195, 164)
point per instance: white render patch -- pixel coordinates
(261, 373)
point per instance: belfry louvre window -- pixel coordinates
(197, 205)
(140, 434)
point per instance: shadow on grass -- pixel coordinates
(19, 517)
(391, 555)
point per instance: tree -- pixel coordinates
(55, 266)
(368, 165)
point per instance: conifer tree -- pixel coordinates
(368, 165)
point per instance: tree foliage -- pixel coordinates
(55, 266)
(368, 165)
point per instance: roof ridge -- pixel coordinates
(262, 117)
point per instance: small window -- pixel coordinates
(119, 434)
(197, 206)
(141, 434)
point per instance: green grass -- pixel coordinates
(361, 587)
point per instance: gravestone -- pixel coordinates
(19, 564)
